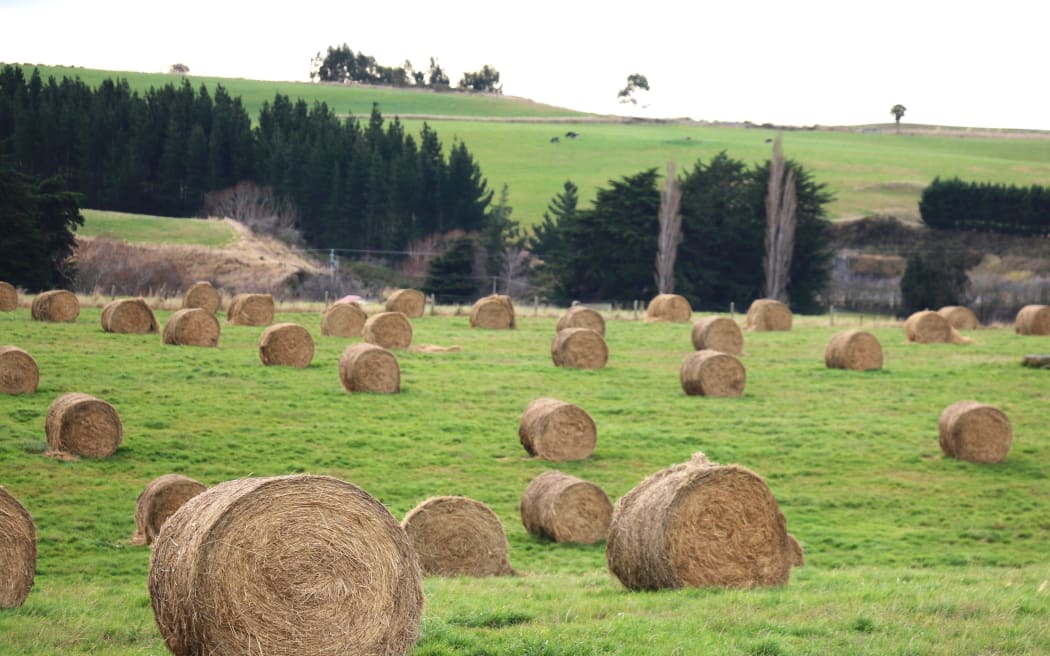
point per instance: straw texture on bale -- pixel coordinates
(1033, 320)
(974, 432)
(369, 368)
(202, 295)
(409, 302)
(287, 344)
(766, 314)
(718, 334)
(391, 330)
(250, 310)
(579, 316)
(699, 524)
(8, 297)
(18, 371)
(555, 430)
(457, 536)
(129, 315)
(55, 305)
(959, 317)
(82, 425)
(343, 320)
(857, 350)
(579, 348)
(17, 551)
(158, 501)
(564, 508)
(494, 312)
(191, 327)
(285, 566)
(669, 307)
(712, 373)
(928, 327)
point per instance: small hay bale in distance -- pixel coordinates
(8, 297)
(158, 501)
(718, 334)
(1033, 320)
(564, 508)
(202, 295)
(798, 555)
(55, 305)
(285, 566)
(495, 312)
(766, 314)
(960, 317)
(250, 310)
(191, 327)
(555, 430)
(409, 302)
(856, 350)
(82, 425)
(343, 320)
(366, 367)
(286, 344)
(129, 316)
(712, 373)
(579, 316)
(928, 327)
(391, 330)
(19, 373)
(668, 307)
(699, 524)
(457, 536)
(579, 348)
(975, 432)
(17, 551)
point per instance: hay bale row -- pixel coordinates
(82, 425)
(1033, 320)
(389, 330)
(409, 302)
(766, 314)
(369, 368)
(250, 310)
(712, 373)
(457, 536)
(129, 316)
(928, 327)
(579, 316)
(564, 508)
(8, 297)
(285, 565)
(556, 430)
(286, 344)
(202, 295)
(856, 350)
(495, 312)
(158, 501)
(191, 327)
(959, 317)
(668, 307)
(718, 334)
(579, 348)
(55, 305)
(17, 551)
(343, 320)
(974, 432)
(19, 373)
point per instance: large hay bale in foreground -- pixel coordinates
(250, 310)
(853, 349)
(285, 566)
(390, 330)
(82, 425)
(18, 371)
(556, 430)
(1033, 320)
(191, 327)
(129, 316)
(766, 314)
(158, 501)
(669, 307)
(579, 316)
(712, 373)
(494, 312)
(286, 344)
(960, 317)
(928, 327)
(409, 302)
(457, 536)
(55, 305)
(369, 368)
(202, 295)
(564, 508)
(17, 551)
(343, 320)
(8, 297)
(975, 432)
(718, 334)
(579, 348)
(699, 524)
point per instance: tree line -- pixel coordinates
(958, 205)
(341, 64)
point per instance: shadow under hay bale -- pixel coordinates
(8, 297)
(129, 316)
(579, 316)
(457, 536)
(343, 320)
(17, 551)
(409, 302)
(1033, 320)
(158, 501)
(670, 308)
(82, 425)
(564, 508)
(766, 314)
(250, 310)
(579, 348)
(557, 431)
(369, 368)
(286, 344)
(712, 373)
(718, 334)
(202, 295)
(19, 373)
(856, 350)
(191, 327)
(974, 432)
(928, 327)
(55, 305)
(959, 317)
(285, 566)
(494, 312)
(391, 330)
(699, 524)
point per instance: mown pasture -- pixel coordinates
(141, 228)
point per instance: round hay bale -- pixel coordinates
(409, 302)
(928, 327)
(853, 349)
(959, 317)
(457, 536)
(390, 330)
(555, 430)
(766, 314)
(82, 425)
(250, 310)
(798, 555)
(974, 432)
(287, 344)
(202, 295)
(1033, 320)
(129, 315)
(579, 348)
(191, 327)
(718, 334)
(343, 320)
(55, 305)
(669, 307)
(369, 368)
(17, 551)
(494, 312)
(158, 501)
(564, 508)
(699, 524)
(285, 565)
(18, 371)
(579, 316)
(8, 297)
(712, 373)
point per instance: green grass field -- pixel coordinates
(139, 228)
(907, 552)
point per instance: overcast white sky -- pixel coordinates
(797, 62)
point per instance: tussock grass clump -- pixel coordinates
(390, 330)
(82, 425)
(130, 316)
(766, 314)
(250, 310)
(19, 373)
(55, 305)
(928, 327)
(191, 327)
(579, 316)
(579, 348)
(712, 373)
(343, 320)
(960, 317)
(8, 297)
(974, 432)
(494, 312)
(286, 344)
(669, 307)
(564, 508)
(1033, 320)
(17, 551)
(857, 350)
(409, 302)
(555, 430)
(458, 536)
(285, 565)
(718, 334)
(202, 295)
(158, 501)
(366, 367)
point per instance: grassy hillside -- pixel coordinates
(138, 228)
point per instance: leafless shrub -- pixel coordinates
(123, 270)
(258, 208)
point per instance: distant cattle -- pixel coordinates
(555, 140)
(571, 134)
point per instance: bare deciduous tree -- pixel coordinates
(781, 219)
(256, 207)
(670, 231)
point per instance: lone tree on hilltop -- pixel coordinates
(635, 81)
(179, 69)
(898, 112)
